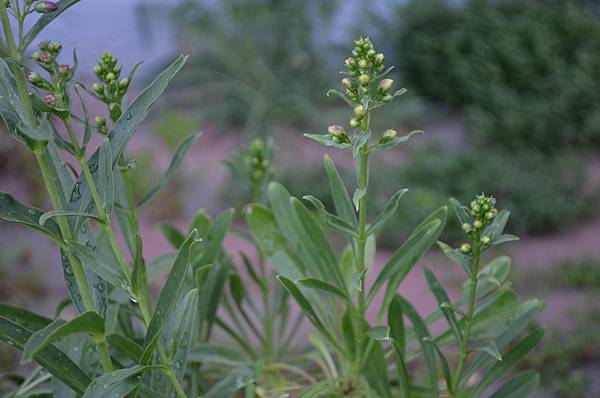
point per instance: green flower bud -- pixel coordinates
(379, 58)
(465, 248)
(477, 224)
(490, 215)
(359, 111)
(363, 64)
(123, 84)
(385, 85)
(389, 134)
(364, 79)
(100, 121)
(98, 88)
(467, 227)
(347, 82)
(34, 77)
(110, 77)
(476, 208)
(336, 131)
(354, 123)
(37, 56)
(486, 240)
(97, 69)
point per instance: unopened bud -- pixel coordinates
(64, 70)
(336, 131)
(379, 58)
(50, 100)
(359, 111)
(477, 224)
(363, 64)
(45, 57)
(465, 248)
(364, 79)
(110, 77)
(467, 227)
(347, 82)
(97, 69)
(354, 123)
(45, 6)
(389, 134)
(33, 77)
(385, 85)
(123, 83)
(100, 121)
(486, 240)
(37, 56)
(98, 88)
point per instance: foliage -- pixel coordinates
(498, 60)
(122, 341)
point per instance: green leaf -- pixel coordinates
(519, 386)
(124, 346)
(387, 212)
(376, 371)
(51, 358)
(423, 335)
(357, 196)
(104, 177)
(235, 380)
(306, 308)
(44, 20)
(324, 287)
(35, 138)
(510, 359)
(211, 245)
(442, 298)
(102, 266)
(24, 318)
(11, 106)
(215, 354)
(89, 322)
(139, 279)
(169, 296)
(396, 141)
(327, 140)
(396, 323)
(13, 211)
(124, 128)
(380, 333)
(405, 258)
(119, 383)
(342, 96)
(457, 257)
(64, 213)
(331, 220)
(462, 212)
(348, 333)
(173, 235)
(443, 361)
(341, 199)
(491, 349)
(180, 153)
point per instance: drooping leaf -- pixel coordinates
(340, 196)
(65, 213)
(327, 140)
(180, 153)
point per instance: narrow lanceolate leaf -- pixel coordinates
(89, 322)
(510, 359)
(423, 335)
(235, 380)
(444, 302)
(387, 212)
(27, 319)
(139, 279)
(124, 346)
(457, 257)
(306, 307)
(326, 140)
(11, 106)
(104, 177)
(324, 287)
(381, 332)
(212, 243)
(122, 131)
(397, 140)
(44, 20)
(52, 359)
(340, 196)
(376, 371)
(491, 349)
(172, 234)
(519, 386)
(443, 362)
(180, 153)
(14, 211)
(102, 266)
(331, 220)
(462, 212)
(119, 383)
(405, 258)
(169, 296)
(64, 213)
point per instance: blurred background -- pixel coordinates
(507, 91)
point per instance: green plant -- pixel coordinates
(332, 291)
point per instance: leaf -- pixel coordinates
(180, 153)
(442, 298)
(329, 219)
(13, 211)
(327, 140)
(324, 287)
(519, 386)
(44, 20)
(396, 322)
(443, 361)
(376, 371)
(342, 96)
(35, 138)
(169, 296)
(11, 106)
(64, 213)
(139, 279)
(235, 380)
(422, 334)
(119, 383)
(504, 238)
(462, 212)
(103, 267)
(457, 257)
(104, 177)
(122, 131)
(24, 318)
(51, 358)
(380, 333)
(211, 246)
(89, 322)
(396, 141)
(405, 258)
(87, 134)
(306, 308)
(124, 346)
(220, 355)
(509, 360)
(358, 195)
(173, 235)
(387, 212)
(341, 199)
(491, 349)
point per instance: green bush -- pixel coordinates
(525, 72)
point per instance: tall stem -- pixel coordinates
(464, 347)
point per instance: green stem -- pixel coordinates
(464, 347)
(104, 355)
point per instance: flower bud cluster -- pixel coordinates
(253, 163)
(338, 134)
(58, 74)
(111, 88)
(483, 213)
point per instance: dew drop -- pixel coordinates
(76, 194)
(93, 167)
(128, 116)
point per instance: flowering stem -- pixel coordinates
(464, 348)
